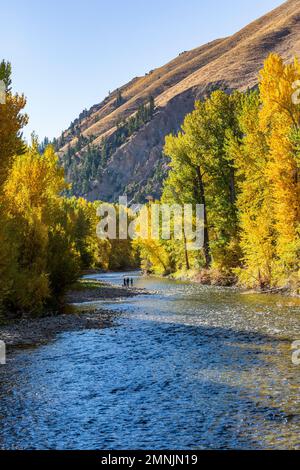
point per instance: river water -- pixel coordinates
(187, 367)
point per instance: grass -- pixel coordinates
(86, 284)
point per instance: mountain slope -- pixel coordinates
(134, 163)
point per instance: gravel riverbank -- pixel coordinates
(103, 292)
(29, 332)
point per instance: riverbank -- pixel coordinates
(214, 278)
(205, 278)
(89, 290)
(33, 332)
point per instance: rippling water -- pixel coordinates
(189, 367)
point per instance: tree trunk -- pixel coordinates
(232, 186)
(187, 261)
(206, 248)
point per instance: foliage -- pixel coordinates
(238, 155)
(46, 238)
(11, 122)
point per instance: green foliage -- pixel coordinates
(202, 172)
(5, 74)
(119, 100)
(11, 122)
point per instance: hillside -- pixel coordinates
(110, 150)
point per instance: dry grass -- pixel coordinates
(234, 61)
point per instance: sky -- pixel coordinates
(68, 54)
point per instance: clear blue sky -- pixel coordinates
(67, 54)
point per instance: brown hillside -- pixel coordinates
(230, 63)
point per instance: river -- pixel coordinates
(187, 367)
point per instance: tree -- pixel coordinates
(119, 100)
(151, 106)
(200, 150)
(11, 122)
(280, 121)
(30, 195)
(5, 75)
(255, 202)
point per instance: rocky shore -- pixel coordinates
(94, 290)
(29, 332)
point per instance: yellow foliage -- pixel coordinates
(280, 120)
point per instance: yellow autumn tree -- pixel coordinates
(279, 119)
(254, 202)
(30, 195)
(153, 250)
